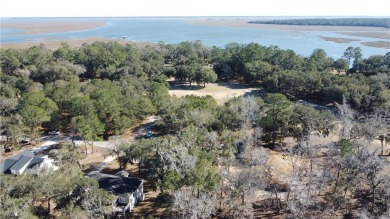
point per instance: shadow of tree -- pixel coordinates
(184, 86)
(90, 167)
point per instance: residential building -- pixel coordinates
(127, 190)
(26, 161)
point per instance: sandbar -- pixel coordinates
(373, 34)
(378, 44)
(52, 26)
(338, 39)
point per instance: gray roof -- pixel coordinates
(35, 161)
(118, 184)
(23, 161)
(42, 156)
(22, 153)
(7, 164)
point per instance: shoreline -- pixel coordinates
(73, 43)
(53, 44)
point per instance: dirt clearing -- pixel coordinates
(221, 91)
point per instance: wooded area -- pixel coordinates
(360, 22)
(210, 160)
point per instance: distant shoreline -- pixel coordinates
(73, 43)
(353, 22)
(239, 22)
(372, 32)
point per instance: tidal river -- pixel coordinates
(176, 30)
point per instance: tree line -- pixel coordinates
(361, 22)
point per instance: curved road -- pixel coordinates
(146, 125)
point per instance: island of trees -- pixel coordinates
(206, 159)
(361, 22)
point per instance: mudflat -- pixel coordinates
(52, 26)
(338, 40)
(378, 44)
(374, 32)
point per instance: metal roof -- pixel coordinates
(17, 161)
(35, 161)
(23, 161)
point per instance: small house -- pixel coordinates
(26, 161)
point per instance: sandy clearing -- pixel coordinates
(221, 92)
(52, 26)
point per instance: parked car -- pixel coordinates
(53, 133)
(24, 141)
(41, 150)
(149, 134)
